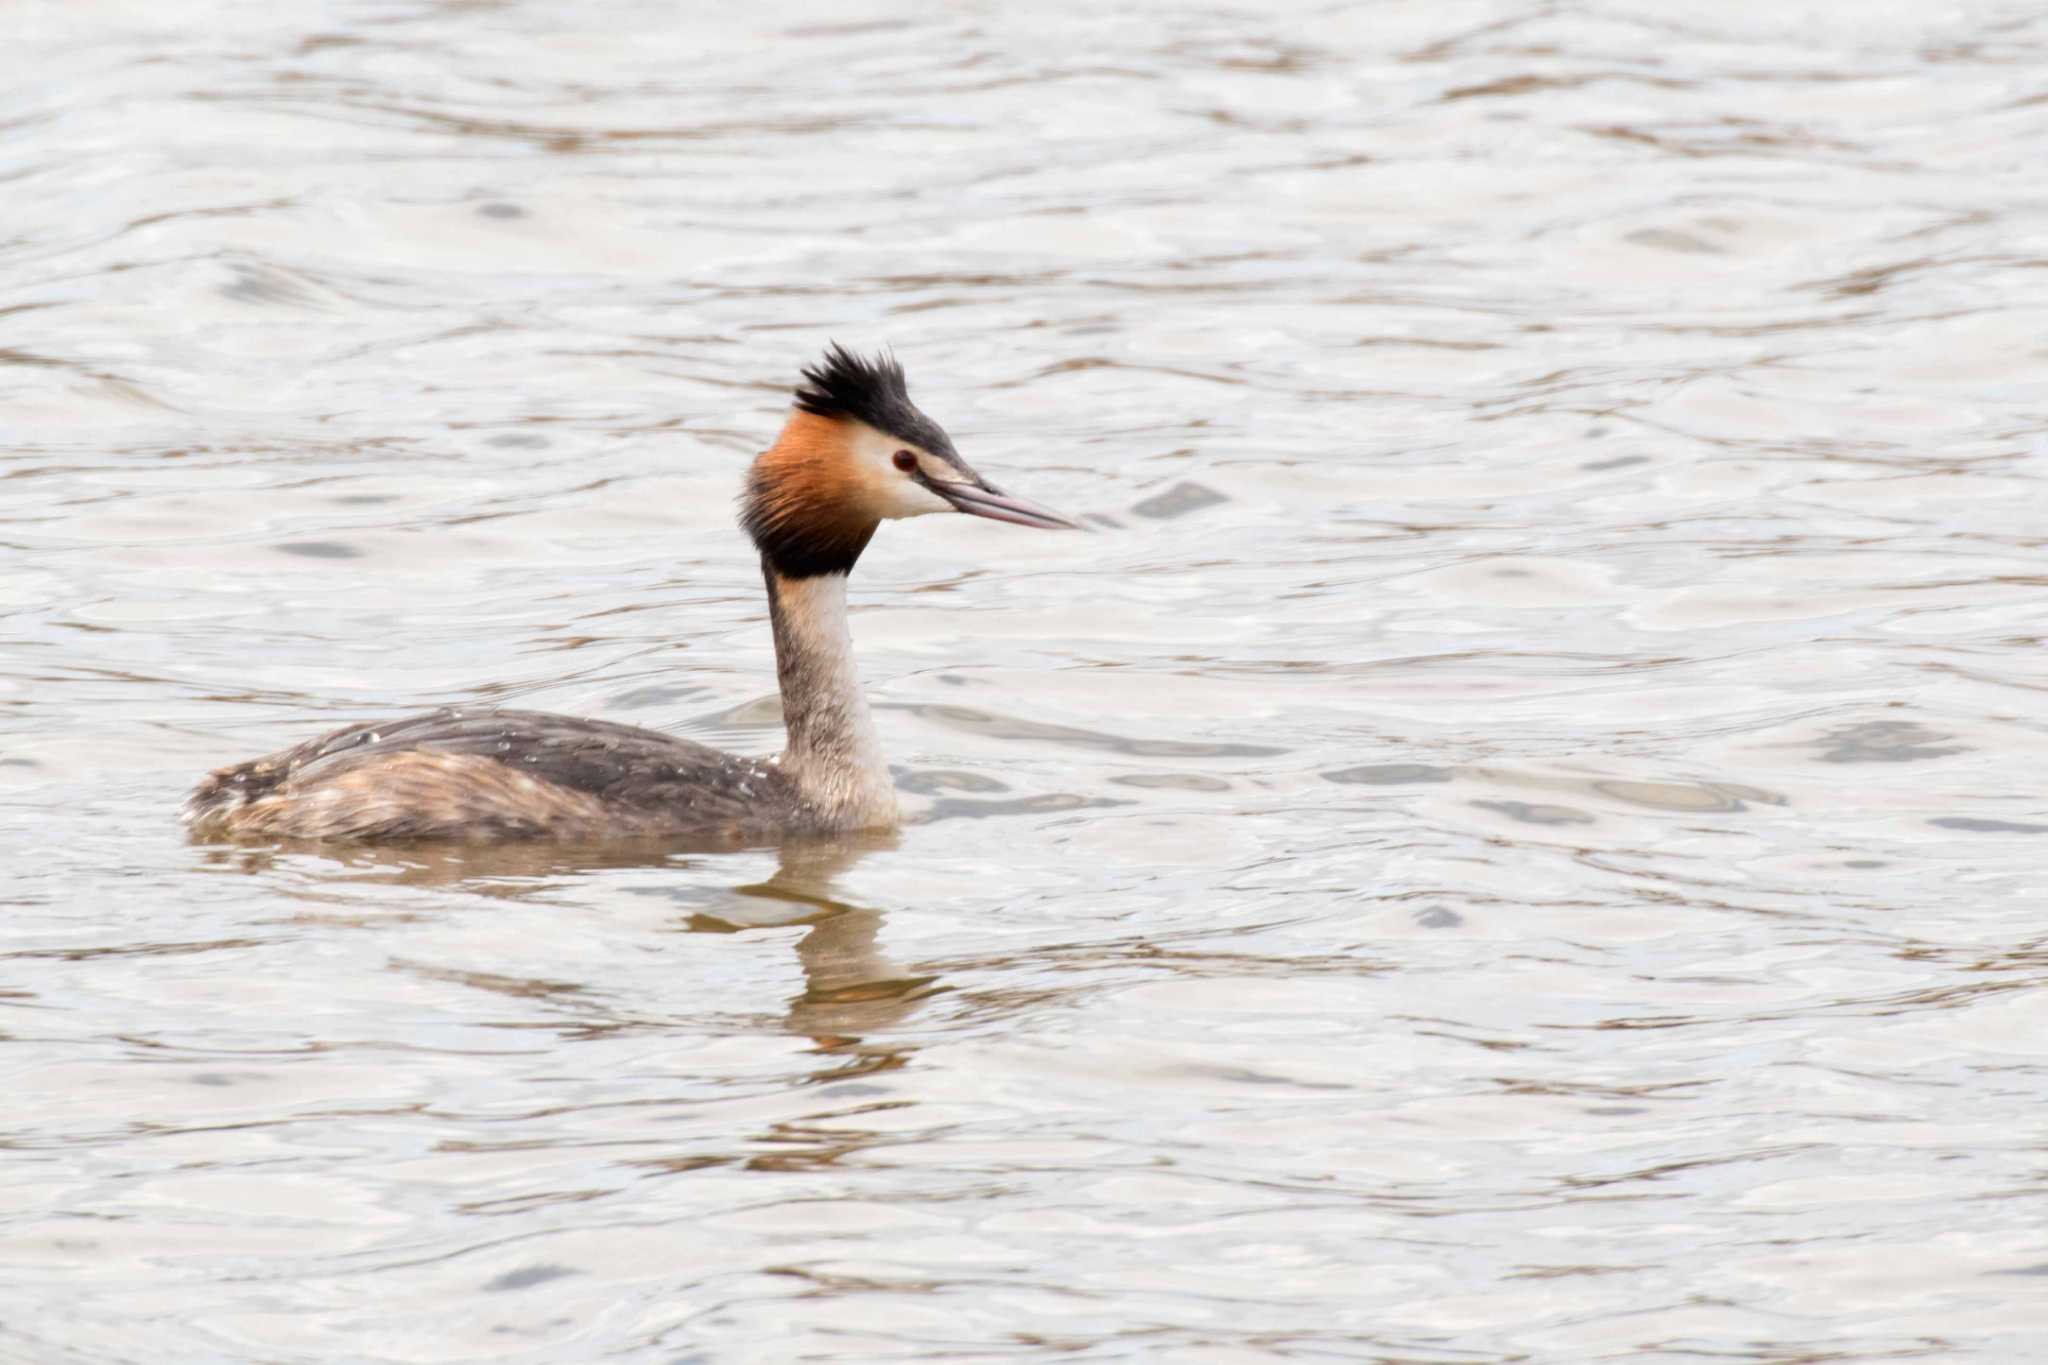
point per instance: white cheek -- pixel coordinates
(890, 492)
(902, 498)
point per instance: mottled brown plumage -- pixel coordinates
(485, 775)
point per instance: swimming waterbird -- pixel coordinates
(854, 452)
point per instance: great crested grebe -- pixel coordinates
(855, 451)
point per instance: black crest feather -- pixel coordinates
(799, 532)
(872, 391)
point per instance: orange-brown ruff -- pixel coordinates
(806, 482)
(854, 452)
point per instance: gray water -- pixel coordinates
(1523, 839)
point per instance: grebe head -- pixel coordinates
(857, 451)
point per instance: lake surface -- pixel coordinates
(1523, 838)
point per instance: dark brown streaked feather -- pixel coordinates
(486, 775)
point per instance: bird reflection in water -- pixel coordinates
(852, 989)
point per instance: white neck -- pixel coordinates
(833, 756)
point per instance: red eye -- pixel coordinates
(904, 460)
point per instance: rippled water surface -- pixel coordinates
(1524, 838)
